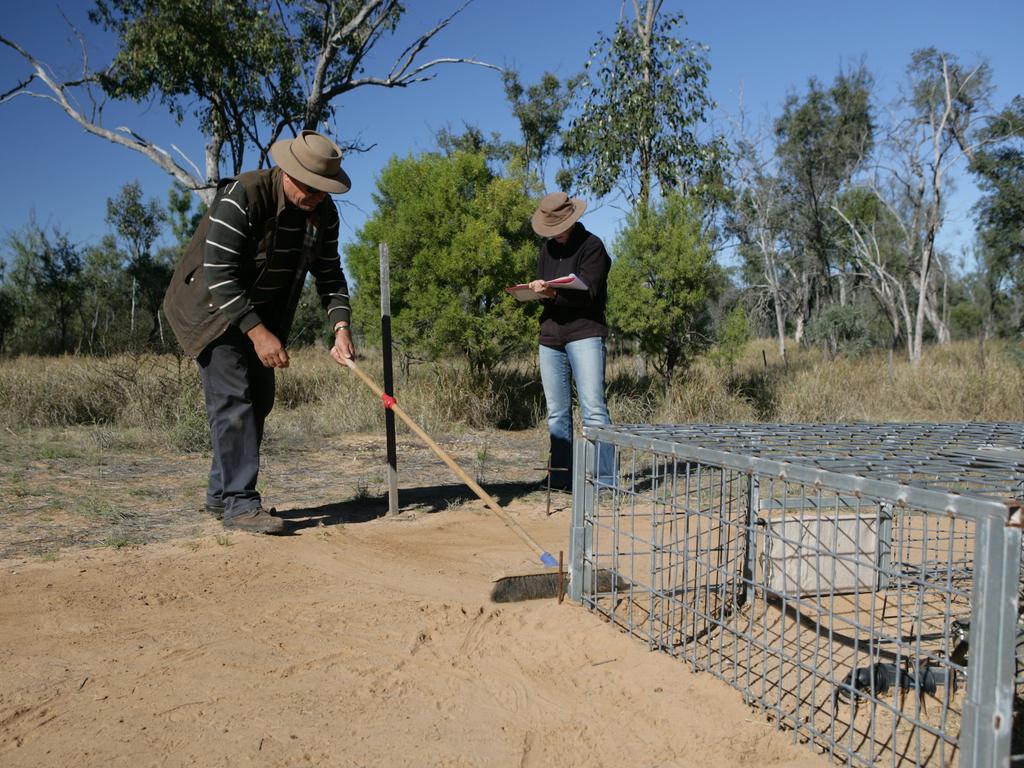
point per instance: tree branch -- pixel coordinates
(406, 79)
(123, 136)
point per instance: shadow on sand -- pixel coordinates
(430, 499)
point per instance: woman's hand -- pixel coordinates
(541, 287)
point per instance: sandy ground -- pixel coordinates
(357, 640)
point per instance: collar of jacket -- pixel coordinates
(562, 250)
(277, 178)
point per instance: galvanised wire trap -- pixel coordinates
(857, 583)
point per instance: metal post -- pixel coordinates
(987, 726)
(884, 537)
(389, 378)
(750, 543)
(578, 535)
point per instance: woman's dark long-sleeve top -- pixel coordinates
(573, 315)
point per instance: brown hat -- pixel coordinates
(556, 213)
(314, 160)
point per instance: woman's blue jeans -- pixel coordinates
(582, 361)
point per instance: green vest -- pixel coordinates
(188, 305)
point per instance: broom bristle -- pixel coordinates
(534, 586)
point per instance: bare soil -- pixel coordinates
(135, 631)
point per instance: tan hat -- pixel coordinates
(314, 160)
(556, 213)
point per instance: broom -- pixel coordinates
(507, 589)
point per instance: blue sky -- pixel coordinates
(760, 51)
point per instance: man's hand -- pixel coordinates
(541, 287)
(268, 347)
(342, 348)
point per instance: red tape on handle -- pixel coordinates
(388, 400)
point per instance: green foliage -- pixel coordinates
(825, 136)
(967, 317)
(8, 310)
(310, 325)
(640, 108)
(821, 140)
(45, 278)
(662, 283)
(733, 336)
(539, 109)
(135, 221)
(226, 61)
(180, 216)
(250, 70)
(138, 224)
(472, 141)
(841, 330)
(106, 299)
(57, 296)
(934, 74)
(457, 236)
(999, 167)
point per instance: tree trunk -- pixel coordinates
(780, 328)
(935, 320)
(922, 299)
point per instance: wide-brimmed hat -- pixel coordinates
(556, 213)
(314, 160)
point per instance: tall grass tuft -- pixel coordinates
(438, 395)
(161, 394)
(950, 384)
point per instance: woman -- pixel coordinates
(572, 330)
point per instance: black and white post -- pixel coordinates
(389, 378)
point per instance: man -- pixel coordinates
(233, 296)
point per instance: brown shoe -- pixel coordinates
(257, 520)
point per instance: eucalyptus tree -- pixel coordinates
(138, 223)
(45, 276)
(639, 111)
(941, 112)
(539, 109)
(999, 168)
(756, 219)
(247, 71)
(822, 139)
(106, 301)
(873, 242)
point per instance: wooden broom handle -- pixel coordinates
(443, 455)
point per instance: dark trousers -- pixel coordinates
(239, 393)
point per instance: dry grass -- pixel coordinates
(951, 384)
(161, 397)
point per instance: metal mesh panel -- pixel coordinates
(857, 583)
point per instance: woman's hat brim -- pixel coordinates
(550, 230)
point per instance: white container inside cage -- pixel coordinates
(821, 551)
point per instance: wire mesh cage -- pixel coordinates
(858, 584)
